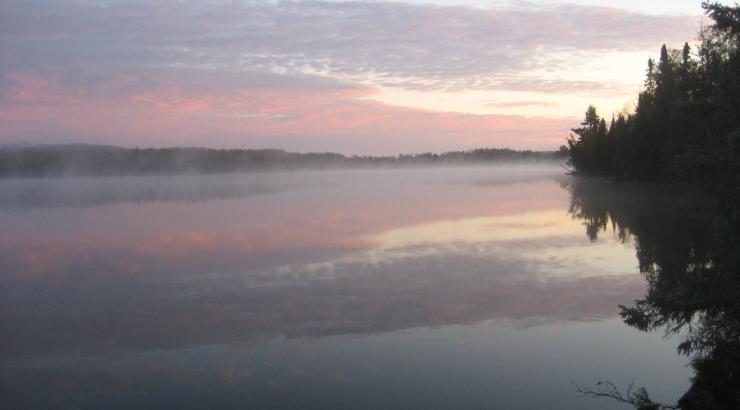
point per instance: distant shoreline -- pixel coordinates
(102, 160)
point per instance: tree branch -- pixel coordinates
(637, 398)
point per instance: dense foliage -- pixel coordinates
(686, 125)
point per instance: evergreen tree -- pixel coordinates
(686, 124)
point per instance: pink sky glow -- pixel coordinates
(352, 77)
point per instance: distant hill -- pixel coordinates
(90, 160)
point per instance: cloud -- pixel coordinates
(326, 116)
(396, 44)
(298, 75)
(508, 104)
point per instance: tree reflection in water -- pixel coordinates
(688, 251)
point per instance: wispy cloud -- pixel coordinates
(508, 104)
(294, 59)
(312, 119)
(382, 43)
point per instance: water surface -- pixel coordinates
(416, 288)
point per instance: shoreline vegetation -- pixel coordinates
(685, 126)
(685, 129)
(102, 160)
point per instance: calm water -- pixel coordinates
(446, 288)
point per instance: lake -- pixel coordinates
(477, 288)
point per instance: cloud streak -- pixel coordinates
(333, 118)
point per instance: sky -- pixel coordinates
(355, 77)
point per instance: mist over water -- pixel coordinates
(22, 193)
(467, 287)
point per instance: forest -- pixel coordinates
(686, 124)
(80, 159)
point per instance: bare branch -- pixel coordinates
(637, 398)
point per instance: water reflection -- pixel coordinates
(210, 286)
(689, 254)
(30, 193)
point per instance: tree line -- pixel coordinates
(686, 125)
(77, 159)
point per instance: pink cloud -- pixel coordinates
(28, 88)
(335, 119)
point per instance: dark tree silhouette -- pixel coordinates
(686, 125)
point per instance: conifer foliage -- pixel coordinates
(686, 125)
